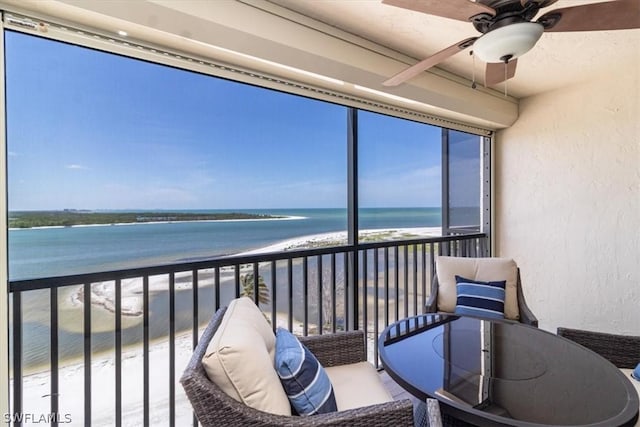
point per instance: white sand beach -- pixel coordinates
(71, 377)
(340, 237)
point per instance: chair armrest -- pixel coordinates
(395, 413)
(621, 350)
(432, 303)
(341, 348)
(427, 414)
(214, 408)
(526, 315)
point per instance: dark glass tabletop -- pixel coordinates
(496, 373)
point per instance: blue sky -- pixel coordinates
(90, 130)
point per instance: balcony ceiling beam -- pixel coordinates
(269, 39)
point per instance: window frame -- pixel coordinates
(93, 38)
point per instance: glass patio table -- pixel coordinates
(503, 373)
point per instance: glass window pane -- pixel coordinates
(399, 178)
(93, 133)
(465, 180)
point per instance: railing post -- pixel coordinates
(86, 327)
(351, 283)
(172, 349)
(17, 356)
(118, 351)
(53, 357)
(305, 295)
(146, 393)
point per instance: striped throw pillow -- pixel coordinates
(303, 378)
(482, 299)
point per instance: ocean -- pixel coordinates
(49, 252)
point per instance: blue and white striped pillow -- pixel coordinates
(303, 378)
(483, 299)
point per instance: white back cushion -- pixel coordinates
(240, 359)
(485, 269)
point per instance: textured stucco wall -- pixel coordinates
(568, 203)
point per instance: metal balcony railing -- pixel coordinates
(364, 286)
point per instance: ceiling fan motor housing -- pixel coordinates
(507, 12)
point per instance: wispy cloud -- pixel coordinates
(12, 154)
(76, 167)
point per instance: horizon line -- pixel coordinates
(217, 209)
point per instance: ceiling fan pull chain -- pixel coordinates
(473, 70)
(506, 76)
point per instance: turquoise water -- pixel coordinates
(49, 252)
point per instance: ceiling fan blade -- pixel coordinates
(461, 10)
(495, 72)
(429, 62)
(611, 15)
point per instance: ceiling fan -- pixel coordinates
(508, 30)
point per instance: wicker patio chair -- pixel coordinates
(621, 350)
(213, 407)
(526, 315)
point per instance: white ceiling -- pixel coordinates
(557, 60)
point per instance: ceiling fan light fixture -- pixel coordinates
(508, 42)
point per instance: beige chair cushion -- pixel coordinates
(357, 385)
(485, 269)
(240, 359)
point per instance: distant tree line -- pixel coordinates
(68, 218)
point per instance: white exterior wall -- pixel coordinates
(568, 203)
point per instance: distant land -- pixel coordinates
(73, 217)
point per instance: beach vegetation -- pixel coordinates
(73, 217)
(247, 282)
(376, 237)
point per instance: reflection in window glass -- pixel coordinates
(399, 178)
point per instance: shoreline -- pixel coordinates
(120, 224)
(304, 242)
(103, 293)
